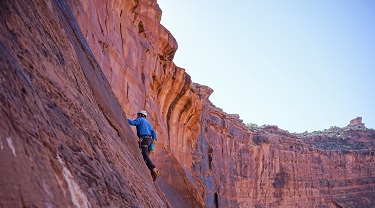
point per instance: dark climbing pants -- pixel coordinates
(145, 153)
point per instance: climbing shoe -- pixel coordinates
(155, 174)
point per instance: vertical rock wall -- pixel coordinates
(208, 157)
(135, 53)
(65, 140)
(273, 168)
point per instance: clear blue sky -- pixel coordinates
(298, 64)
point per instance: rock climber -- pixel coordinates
(147, 136)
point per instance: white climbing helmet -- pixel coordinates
(143, 112)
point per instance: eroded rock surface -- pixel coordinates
(269, 167)
(64, 139)
(72, 71)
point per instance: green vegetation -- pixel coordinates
(252, 126)
(256, 127)
(336, 138)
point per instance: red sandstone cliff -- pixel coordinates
(64, 138)
(72, 71)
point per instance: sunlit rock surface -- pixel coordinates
(64, 138)
(73, 71)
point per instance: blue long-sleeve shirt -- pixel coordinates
(144, 128)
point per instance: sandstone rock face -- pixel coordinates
(135, 53)
(64, 139)
(273, 168)
(72, 71)
(355, 136)
(357, 122)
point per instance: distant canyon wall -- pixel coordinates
(269, 167)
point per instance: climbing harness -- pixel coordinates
(151, 146)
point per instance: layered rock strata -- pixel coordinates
(221, 162)
(269, 167)
(135, 53)
(73, 70)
